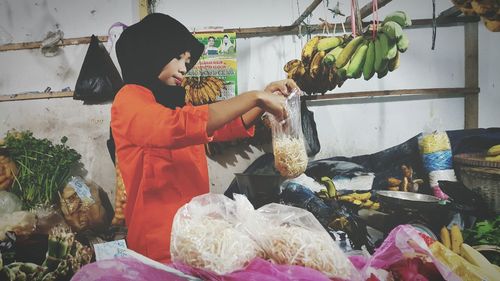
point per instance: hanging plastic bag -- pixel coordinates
(290, 157)
(99, 80)
(309, 130)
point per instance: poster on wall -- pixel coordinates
(214, 77)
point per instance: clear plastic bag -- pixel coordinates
(290, 156)
(204, 236)
(292, 236)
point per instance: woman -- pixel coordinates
(159, 139)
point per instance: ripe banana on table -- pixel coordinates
(494, 150)
(456, 238)
(200, 90)
(348, 51)
(445, 237)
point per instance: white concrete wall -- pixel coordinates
(345, 127)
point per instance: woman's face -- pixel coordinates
(173, 73)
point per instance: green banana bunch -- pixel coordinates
(368, 66)
(329, 43)
(348, 51)
(332, 56)
(394, 63)
(393, 30)
(358, 59)
(403, 43)
(399, 17)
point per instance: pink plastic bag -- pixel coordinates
(404, 242)
(258, 269)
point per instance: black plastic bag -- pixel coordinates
(309, 129)
(99, 80)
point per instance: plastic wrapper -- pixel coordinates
(9, 203)
(437, 158)
(22, 223)
(204, 235)
(290, 156)
(47, 218)
(83, 205)
(133, 267)
(405, 243)
(258, 269)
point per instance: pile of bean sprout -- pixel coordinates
(290, 157)
(295, 245)
(212, 244)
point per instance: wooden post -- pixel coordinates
(471, 74)
(143, 9)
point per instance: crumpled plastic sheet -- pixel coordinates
(258, 269)
(127, 268)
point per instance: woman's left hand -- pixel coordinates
(283, 86)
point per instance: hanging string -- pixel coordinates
(433, 24)
(353, 19)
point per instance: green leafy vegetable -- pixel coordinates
(44, 167)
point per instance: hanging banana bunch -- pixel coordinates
(327, 62)
(202, 90)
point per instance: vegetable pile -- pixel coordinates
(43, 167)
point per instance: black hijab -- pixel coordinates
(144, 48)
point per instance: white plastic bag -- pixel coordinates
(204, 236)
(290, 156)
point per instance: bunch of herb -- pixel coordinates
(485, 232)
(44, 167)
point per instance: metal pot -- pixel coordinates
(408, 200)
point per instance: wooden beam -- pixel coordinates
(453, 11)
(307, 12)
(254, 32)
(366, 10)
(471, 109)
(35, 96)
(393, 93)
(38, 44)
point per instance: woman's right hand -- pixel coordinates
(273, 103)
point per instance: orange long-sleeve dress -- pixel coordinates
(163, 163)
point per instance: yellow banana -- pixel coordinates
(309, 48)
(445, 237)
(348, 51)
(456, 239)
(494, 150)
(328, 43)
(316, 64)
(473, 256)
(330, 186)
(291, 64)
(493, 158)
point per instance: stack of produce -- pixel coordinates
(489, 10)
(202, 90)
(327, 62)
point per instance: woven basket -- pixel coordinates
(481, 176)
